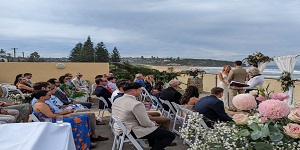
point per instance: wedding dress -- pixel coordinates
(225, 97)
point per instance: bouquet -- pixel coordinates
(193, 71)
(286, 81)
(256, 58)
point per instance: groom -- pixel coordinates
(237, 74)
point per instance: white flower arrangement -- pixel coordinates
(17, 98)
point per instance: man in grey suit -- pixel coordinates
(132, 114)
(237, 74)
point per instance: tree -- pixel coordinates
(87, 51)
(34, 57)
(115, 56)
(101, 53)
(75, 54)
(2, 51)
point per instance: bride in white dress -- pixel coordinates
(223, 77)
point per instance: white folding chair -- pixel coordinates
(8, 89)
(159, 105)
(105, 107)
(34, 118)
(180, 117)
(171, 113)
(93, 87)
(120, 139)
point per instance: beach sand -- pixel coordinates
(211, 80)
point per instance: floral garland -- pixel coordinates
(256, 58)
(286, 81)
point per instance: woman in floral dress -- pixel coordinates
(80, 124)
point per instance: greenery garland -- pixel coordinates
(286, 81)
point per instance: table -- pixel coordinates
(36, 136)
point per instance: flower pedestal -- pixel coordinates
(290, 92)
(197, 82)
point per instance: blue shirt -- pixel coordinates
(141, 81)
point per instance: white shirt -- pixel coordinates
(255, 81)
(115, 93)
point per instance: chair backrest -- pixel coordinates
(104, 101)
(93, 87)
(34, 118)
(159, 105)
(169, 104)
(145, 95)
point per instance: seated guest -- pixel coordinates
(78, 83)
(80, 124)
(171, 94)
(23, 86)
(19, 111)
(8, 115)
(102, 91)
(120, 85)
(149, 82)
(28, 76)
(69, 82)
(256, 79)
(212, 107)
(132, 114)
(63, 97)
(139, 78)
(190, 97)
(59, 108)
(17, 79)
(157, 88)
(111, 84)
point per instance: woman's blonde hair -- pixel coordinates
(148, 79)
(225, 67)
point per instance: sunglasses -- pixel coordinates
(104, 81)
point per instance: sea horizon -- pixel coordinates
(271, 71)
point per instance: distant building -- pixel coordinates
(3, 57)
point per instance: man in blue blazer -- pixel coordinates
(212, 107)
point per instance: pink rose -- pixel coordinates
(279, 96)
(263, 119)
(292, 130)
(295, 116)
(240, 119)
(260, 98)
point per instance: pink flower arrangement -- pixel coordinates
(260, 98)
(279, 96)
(273, 109)
(295, 116)
(292, 130)
(240, 119)
(244, 102)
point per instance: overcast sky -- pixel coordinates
(212, 29)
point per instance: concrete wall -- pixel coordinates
(42, 71)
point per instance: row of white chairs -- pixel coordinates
(177, 113)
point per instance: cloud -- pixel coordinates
(170, 28)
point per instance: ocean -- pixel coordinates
(269, 72)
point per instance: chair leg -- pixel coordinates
(99, 118)
(134, 142)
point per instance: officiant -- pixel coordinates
(255, 79)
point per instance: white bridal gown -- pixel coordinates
(225, 97)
